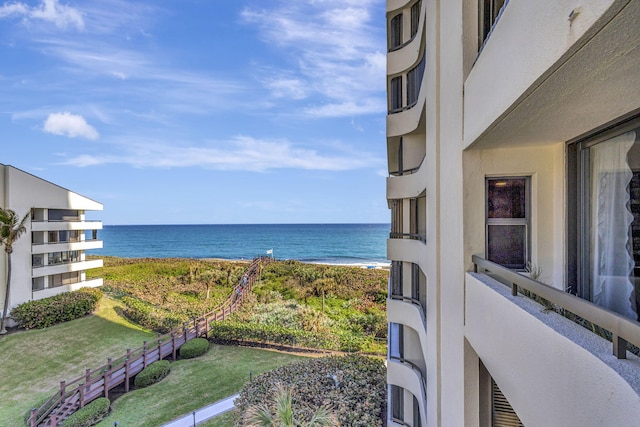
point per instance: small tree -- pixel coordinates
(11, 228)
(284, 416)
(209, 278)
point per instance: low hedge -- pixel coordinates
(37, 314)
(90, 415)
(194, 348)
(152, 373)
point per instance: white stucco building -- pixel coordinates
(50, 257)
(513, 134)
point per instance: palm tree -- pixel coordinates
(261, 416)
(11, 228)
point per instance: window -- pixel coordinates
(397, 403)
(396, 219)
(395, 95)
(396, 341)
(37, 283)
(37, 260)
(395, 32)
(489, 12)
(604, 226)
(508, 221)
(415, 18)
(56, 280)
(395, 277)
(417, 421)
(414, 81)
(63, 215)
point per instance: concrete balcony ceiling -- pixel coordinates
(569, 88)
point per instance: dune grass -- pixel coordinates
(35, 361)
(192, 384)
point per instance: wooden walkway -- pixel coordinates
(96, 383)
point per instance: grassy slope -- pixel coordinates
(34, 362)
(193, 384)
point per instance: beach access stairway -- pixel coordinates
(119, 371)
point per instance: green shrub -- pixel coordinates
(63, 307)
(89, 415)
(194, 348)
(152, 373)
(353, 386)
(230, 331)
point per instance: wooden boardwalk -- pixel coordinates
(96, 383)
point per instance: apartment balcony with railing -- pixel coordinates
(525, 332)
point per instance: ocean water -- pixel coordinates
(353, 244)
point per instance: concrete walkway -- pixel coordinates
(203, 414)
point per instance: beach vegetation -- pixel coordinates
(37, 314)
(152, 373)
(352, 388)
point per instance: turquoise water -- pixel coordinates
(359, 244)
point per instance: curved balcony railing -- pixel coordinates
(415, 302)
(410, 171)
(623, 330)
(412, 236)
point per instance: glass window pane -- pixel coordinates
(506, 198)
(506, 245)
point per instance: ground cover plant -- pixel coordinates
(89, 415)
(352, 387)
(308, 305)
(193, 384)
(319, 306)
(162, 293)
(194, 348)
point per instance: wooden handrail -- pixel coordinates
(97, 383)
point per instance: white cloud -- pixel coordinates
(338, 51)
(70, 125)
(49, 10)
(242, 153)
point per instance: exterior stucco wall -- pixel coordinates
(571, 380)
(533, 35)
(545, 166)
(22, 191)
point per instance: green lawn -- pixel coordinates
(193, 384)
(34, 362)
(224, 420)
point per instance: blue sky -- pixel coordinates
(200, 111)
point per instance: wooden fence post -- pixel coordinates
(82, 390)
(144, 354)
(173, 344)
(127, 377)
(32, 417)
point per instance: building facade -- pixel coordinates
(50, 257)
(513, 140)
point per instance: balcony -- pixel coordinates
(405, 374)
(46, 270)
(49, 292)
(403, 56)
(82, 245)
(65, 225)
(408, 185)
(521, 342)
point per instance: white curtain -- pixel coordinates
(611, 257)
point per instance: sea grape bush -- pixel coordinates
(37, 314)
(354, 387)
